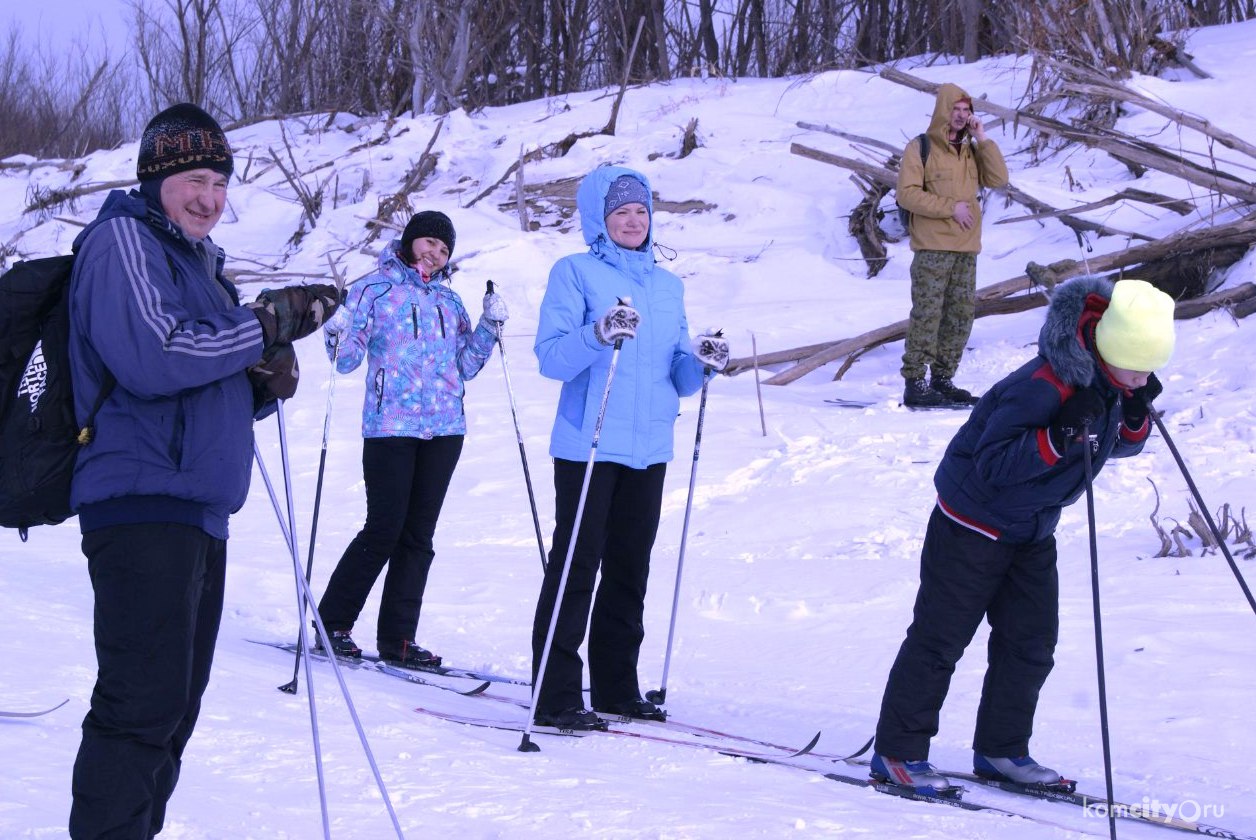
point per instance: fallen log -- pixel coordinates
(1128, 150)
(1223, 299)
(810, 358)
(888, 178)
(1088, 83)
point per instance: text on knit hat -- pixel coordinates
(181, 138)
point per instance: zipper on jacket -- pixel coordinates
(379, 390)
(441, 314)
(414, 319)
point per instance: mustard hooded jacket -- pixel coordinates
(931, 191)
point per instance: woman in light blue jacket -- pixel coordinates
(612, 293)
(420, 348)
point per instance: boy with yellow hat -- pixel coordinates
(989, 550)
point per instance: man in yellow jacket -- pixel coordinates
(938, 185)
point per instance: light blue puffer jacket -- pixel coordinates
(653, 371)
(420, 349)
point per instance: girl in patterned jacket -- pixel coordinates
(420, 347)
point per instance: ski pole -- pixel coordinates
(290, 687)
(523, 455)
(306, 595)
(526, 744)
(660, 697)
(296, 568)
(1094, 588)
(1203, 508)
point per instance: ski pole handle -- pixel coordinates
(622, 301)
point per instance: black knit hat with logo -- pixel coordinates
(180, 138)
(430, 223)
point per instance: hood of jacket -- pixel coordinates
(590, 201)
(1066, 338)
(948, 95)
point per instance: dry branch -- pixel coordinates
(561, 193)
(1088, 83)
(73, 166)
(888, 178)
(1128, 150)
(854, 138)
(55, 198)
(1179, 206)
(1043, 210)
(884, 335)
(619, 97)
(390, 206)
(1177, 55)
(989, 298)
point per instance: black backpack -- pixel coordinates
(39, 439)
(904, 216)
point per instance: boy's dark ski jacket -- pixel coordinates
(1001, 475)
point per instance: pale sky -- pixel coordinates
(65, 22)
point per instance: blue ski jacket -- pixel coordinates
(174, 440)
(1001, 475)
(654, 369)
(420, 349)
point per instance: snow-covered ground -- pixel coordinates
(802, 555)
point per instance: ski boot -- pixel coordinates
(1022, 770)
(917, 776)
(575, 719)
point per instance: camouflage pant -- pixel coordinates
(943, 284)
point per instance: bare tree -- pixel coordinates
(186, 50)
(252, 58)
(62, 104)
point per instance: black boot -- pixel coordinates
(341, 644)
(575, 719)
(407, 654)
(944, 386)
(918, 394)
(638, 709)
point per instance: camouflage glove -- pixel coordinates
(274, 378)
(294, 312)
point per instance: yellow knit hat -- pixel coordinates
(1136, 331)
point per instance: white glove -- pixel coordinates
(339, 323)
(619, 322)
(495, 308)
(711, 348)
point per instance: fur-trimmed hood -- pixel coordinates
(1066, 339)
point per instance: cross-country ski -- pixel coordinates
(32, 714)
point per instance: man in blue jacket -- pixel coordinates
(158, 329)
(989, 551)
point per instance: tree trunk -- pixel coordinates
(970, 13)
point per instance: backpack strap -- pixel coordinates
(88, 431)
(924, 159)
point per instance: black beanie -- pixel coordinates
(431, 223)
(180, 138)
